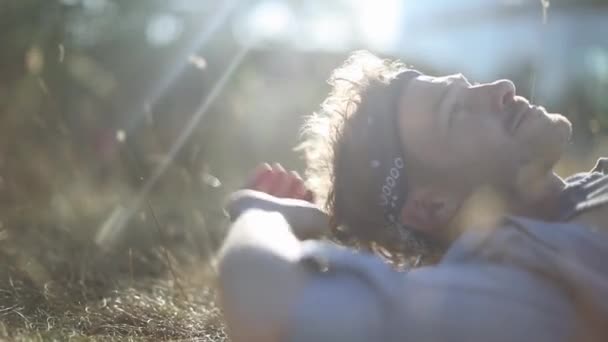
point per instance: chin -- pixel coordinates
(562, 127)
(547, 139)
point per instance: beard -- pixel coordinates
(543, 145)
(544, 140)
(519, 177)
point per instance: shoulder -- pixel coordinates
(566, 251)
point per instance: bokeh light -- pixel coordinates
(379, 22)
(269, 19)
(163, 29)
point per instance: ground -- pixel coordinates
(151, 310)
(56, 287)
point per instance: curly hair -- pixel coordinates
(336, 148)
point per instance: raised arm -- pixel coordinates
(264, 282)
(270, 289)
(258, 276)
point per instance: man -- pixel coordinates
(405, 157)
(463, 155)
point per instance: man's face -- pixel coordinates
(484, 131)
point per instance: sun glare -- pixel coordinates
(379, 22)
(270, 19)
(163, 29)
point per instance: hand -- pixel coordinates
(274, 189)
(276, 181)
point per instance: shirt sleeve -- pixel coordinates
(346, 298)
(338, 307)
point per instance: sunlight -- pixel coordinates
(379, 22)
(163, 29)
(196, 43)
(317, 25)
(269, 19)
(119, 223)
(329, 32)
(596, 60)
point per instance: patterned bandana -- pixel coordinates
(387, 160)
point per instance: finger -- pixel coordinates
(281, 184)
(297, 188)
(295, 175)
(267, 183)
(278, 167)
(290, 185)
(260, 172)
(301, 191)
(277, 188)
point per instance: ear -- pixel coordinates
(429, 210)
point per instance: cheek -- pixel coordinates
(473, 141)
(478, 141)
(423, 143)
(544, 138)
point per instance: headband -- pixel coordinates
(386, 153)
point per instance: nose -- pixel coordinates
(494, 97)
(502, 93)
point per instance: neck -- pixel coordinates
(534, 197)
(538, 197)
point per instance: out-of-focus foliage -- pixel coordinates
(96, 96)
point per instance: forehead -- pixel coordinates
(428, 81)
(425, 88)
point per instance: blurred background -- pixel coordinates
(124, 124)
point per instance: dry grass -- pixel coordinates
(56, 285)
(149, 310)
